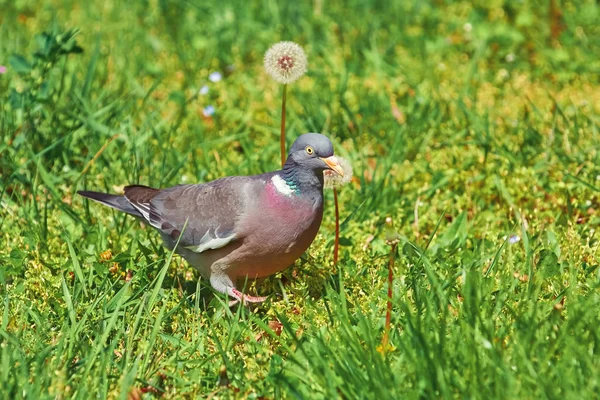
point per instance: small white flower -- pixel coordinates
(215, 76)
(468, 27)
(203, 90)
(503, 74)
(333, 180)
(208, 111)
(514, 239)
(510, 57)
(285, 62)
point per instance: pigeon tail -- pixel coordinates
(118, 202)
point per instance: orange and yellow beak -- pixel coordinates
(333, 164)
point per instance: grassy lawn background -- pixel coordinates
(475, 126)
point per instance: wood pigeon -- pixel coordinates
(239, 227)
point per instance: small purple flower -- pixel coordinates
(514, 239)
(203, 90)
(3, 69)
(208, 111)
(215, 77)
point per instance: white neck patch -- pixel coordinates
(281, 186)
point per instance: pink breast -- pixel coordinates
(288, 225)
(286, 205)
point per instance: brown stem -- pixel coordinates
(282, 135)
(388, 313)
(336, 243)
(556, 22)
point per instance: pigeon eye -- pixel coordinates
(309, 150)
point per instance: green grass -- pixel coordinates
(468, 124)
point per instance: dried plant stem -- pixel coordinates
(282, 135)
(388, 313)
(89, 164)
(336, 243)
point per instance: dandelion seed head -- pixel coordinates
(285, 62)
(335, 181)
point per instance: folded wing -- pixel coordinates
(205, 215)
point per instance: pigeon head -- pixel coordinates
(314, 151)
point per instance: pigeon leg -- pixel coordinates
(222, 283)
(244, 297)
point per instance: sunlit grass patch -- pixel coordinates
(474, 127)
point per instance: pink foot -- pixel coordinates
(244, 298)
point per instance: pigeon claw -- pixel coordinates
(244, 298)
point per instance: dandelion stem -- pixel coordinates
(336, 243)
(282, 135)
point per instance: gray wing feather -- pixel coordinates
(115, 201)
(211, 211)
